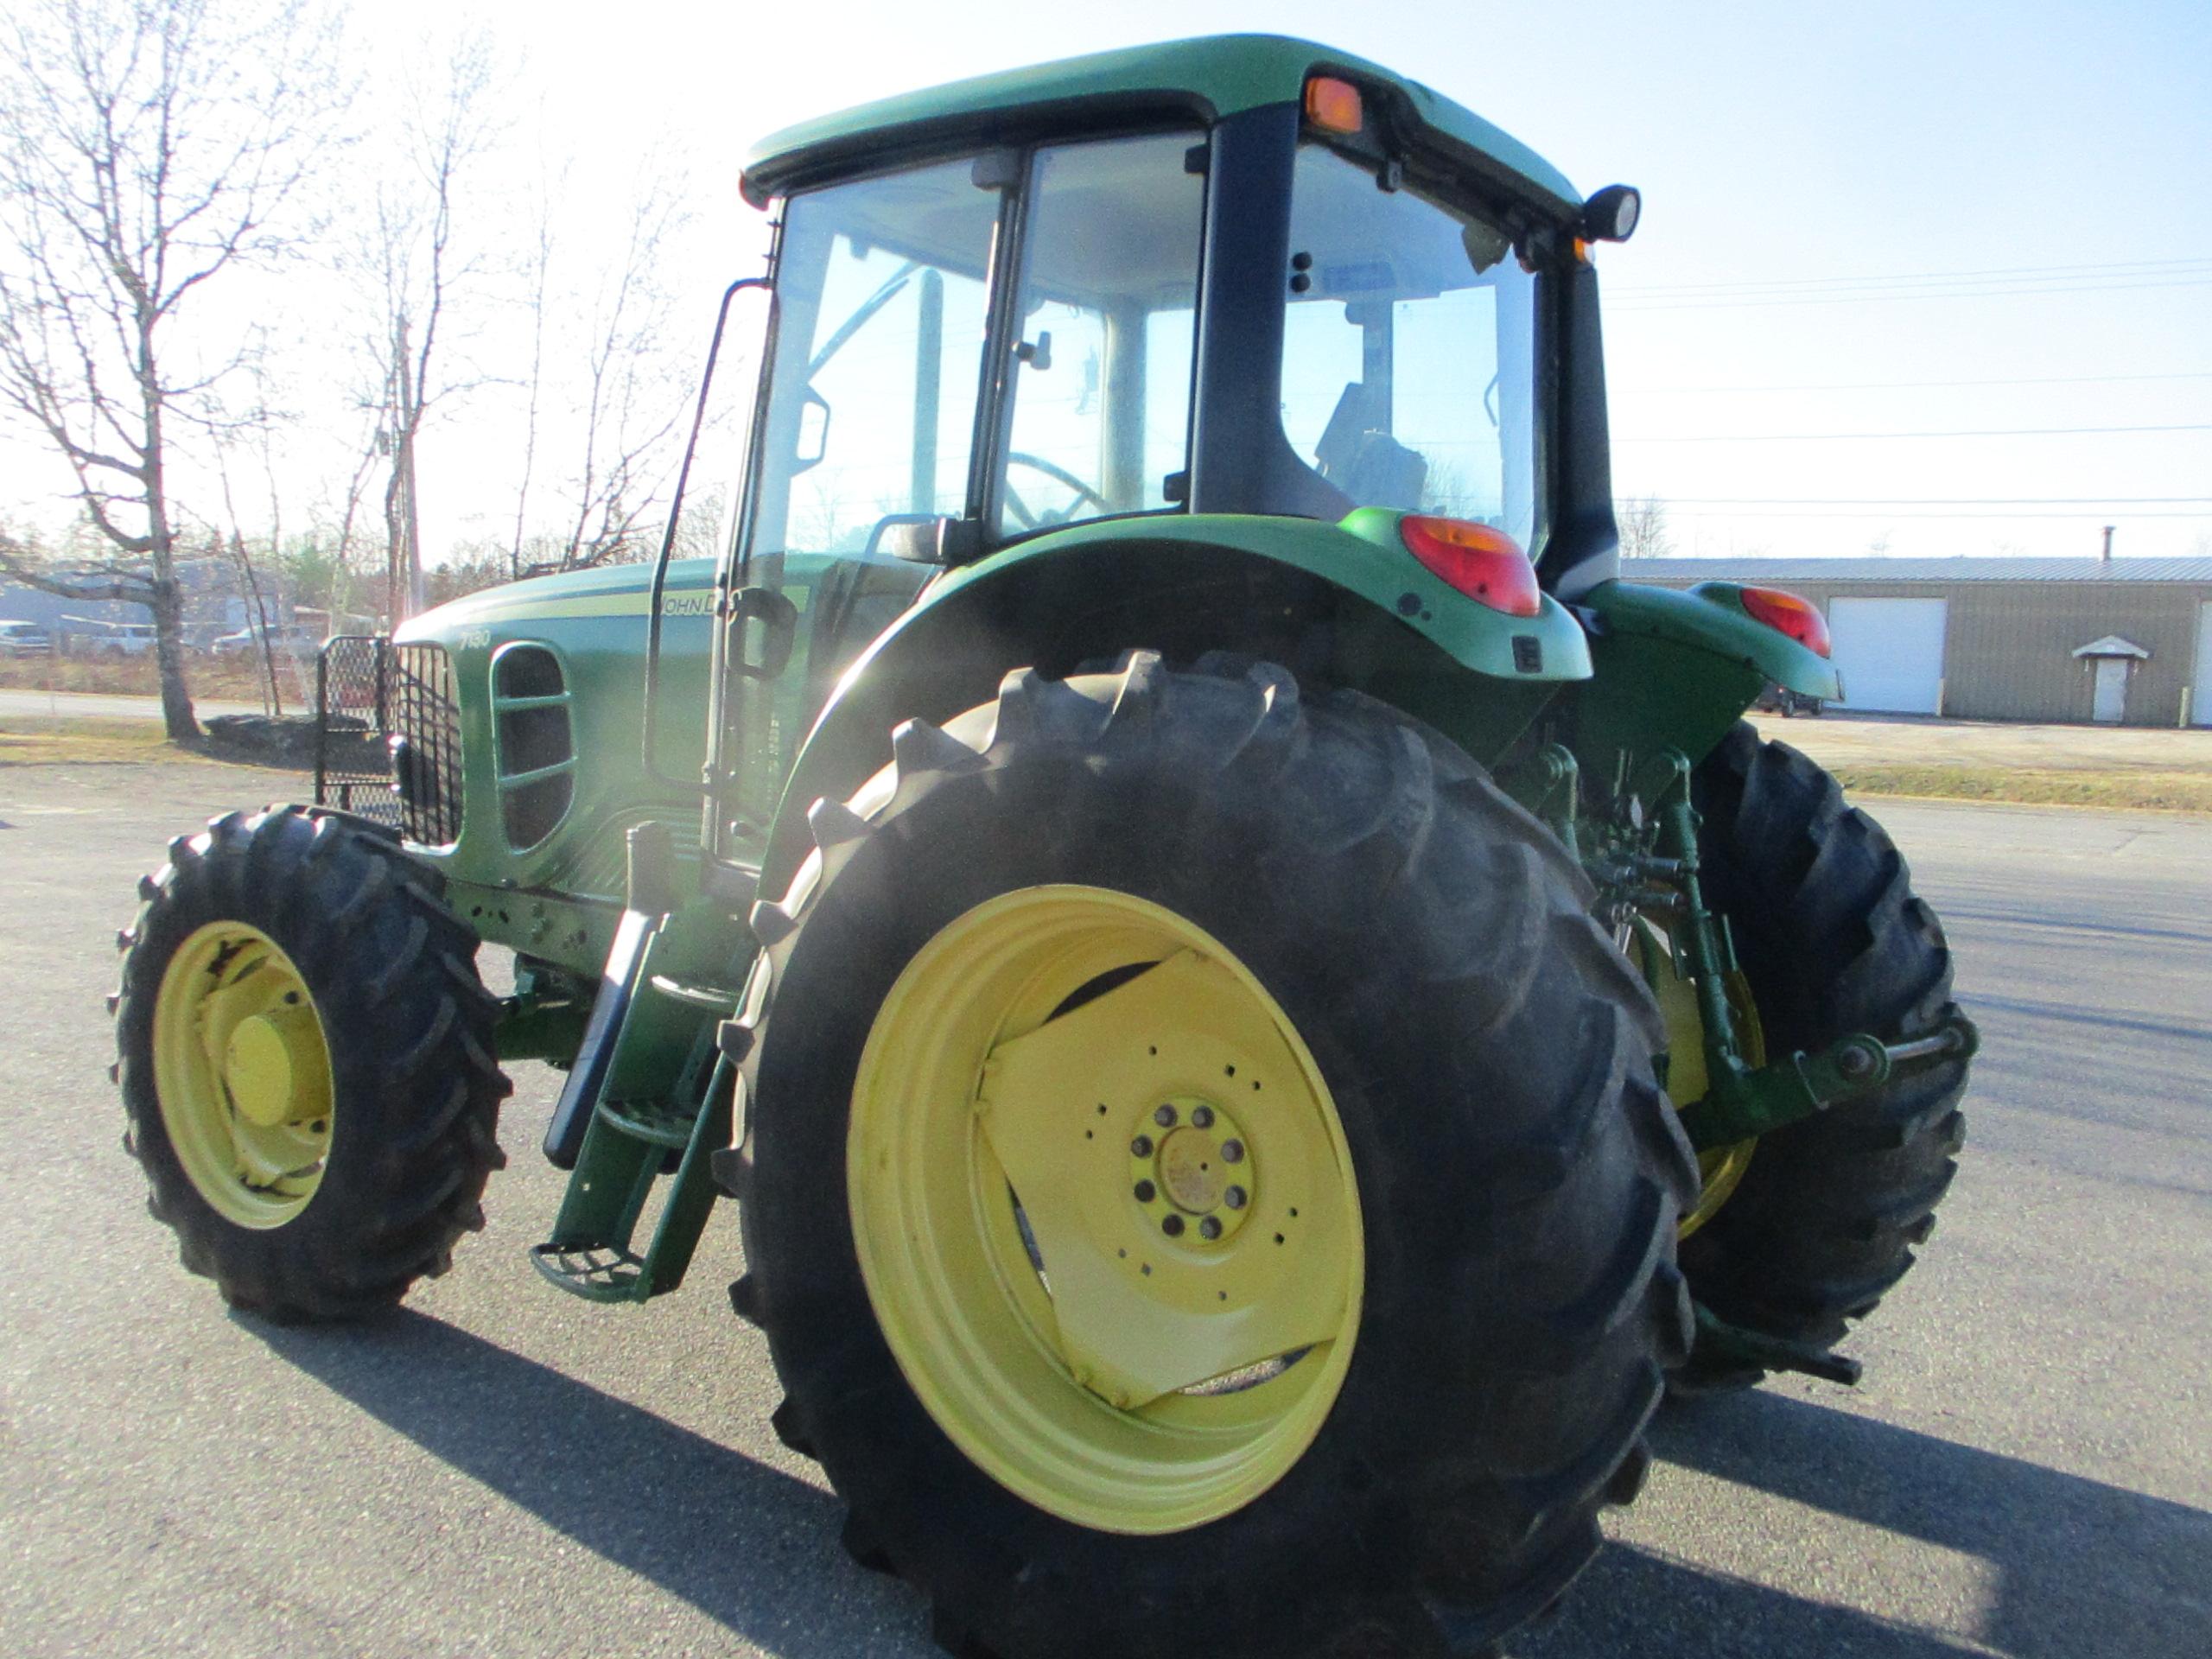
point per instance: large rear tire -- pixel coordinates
(1317, 925)
(306, 1060)
(1832, 940)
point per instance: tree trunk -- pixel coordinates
(178, 719)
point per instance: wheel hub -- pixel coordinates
(1192, 1170)
(270, 1066)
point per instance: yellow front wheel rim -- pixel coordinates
(1105, 1209)
(242, 1072)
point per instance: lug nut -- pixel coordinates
(1202, 1117)
(1232, 1152)
(1172, 1226)
(1235, 1198)
(1141, 1147)
(1165, 1117)
(1146, 1191)
(1209, 1228)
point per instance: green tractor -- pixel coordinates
(1258, 1006)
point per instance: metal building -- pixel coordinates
(2120, 640)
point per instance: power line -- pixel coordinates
(2017, 272)
(1754, 302)
(1982, 432)
(1885, 515)
(1922, 385)
(1885, 501)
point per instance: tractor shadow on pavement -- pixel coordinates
(2078, 1568)
(749, 1545)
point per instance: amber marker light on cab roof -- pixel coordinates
(1333, 106)
(1487, 565)
(1787, 614)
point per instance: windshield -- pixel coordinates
(881, 293)
(1408, 361)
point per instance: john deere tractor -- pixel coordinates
(1256, 1005)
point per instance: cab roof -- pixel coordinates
(1212, 77)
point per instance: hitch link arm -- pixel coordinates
(1744, 1103)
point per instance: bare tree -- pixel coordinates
(149, 149)
(1643, 522)
(634, 396)
(420, 263)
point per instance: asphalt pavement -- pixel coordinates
(504, 1471)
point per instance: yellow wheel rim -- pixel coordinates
(1719, 1168)
(1105, 1210)
(242, 1072)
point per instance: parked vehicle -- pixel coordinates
(117, 640)
(24, 640)
(1255, 1000)
(290, 639)
(1781, 700)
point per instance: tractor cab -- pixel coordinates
(1150, 288)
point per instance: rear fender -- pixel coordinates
(1676, 670)
(1341, 605)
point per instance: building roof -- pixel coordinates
(1952, 570)
(1218, 75)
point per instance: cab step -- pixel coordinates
(658, 1122)
(716, 999)
(595, 1273)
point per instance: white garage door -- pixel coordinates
(1890, 653)
(2200, 701)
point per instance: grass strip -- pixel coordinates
(2130, 789)
(45, 741)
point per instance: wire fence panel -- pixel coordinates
(352, 728)
(425, 747)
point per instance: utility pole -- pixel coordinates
(2108, 543)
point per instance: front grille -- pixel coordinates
(426, 744)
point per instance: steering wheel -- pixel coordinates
(1059, 474)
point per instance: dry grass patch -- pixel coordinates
(42, 741)
(2119, 790)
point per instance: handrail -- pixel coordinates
(668, 545)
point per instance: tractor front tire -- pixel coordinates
(306, 1062)
(1832, 940)
(1206, 1186)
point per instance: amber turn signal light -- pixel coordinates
(1333, 106)
(1787, 614)
(1487, 565)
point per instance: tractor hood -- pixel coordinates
(606, 590)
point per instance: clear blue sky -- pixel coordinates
(1778, 145)
(1821, 183)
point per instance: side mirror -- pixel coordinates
(1610, 214)
(921, 539)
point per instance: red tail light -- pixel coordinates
(1787, 614)
(1487, 565)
